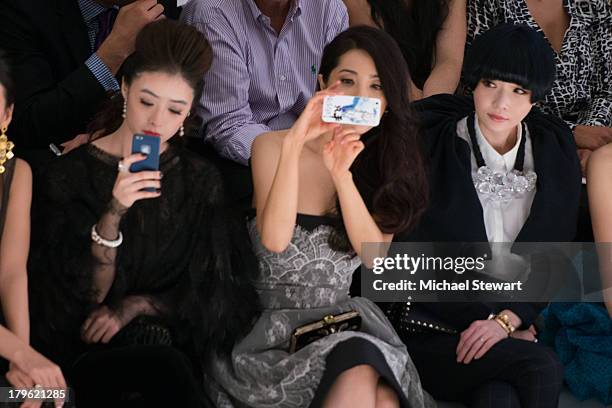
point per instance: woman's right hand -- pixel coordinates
(129, 187)
(309, 125)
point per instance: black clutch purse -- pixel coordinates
(330, 324)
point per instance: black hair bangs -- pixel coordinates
(512, 53)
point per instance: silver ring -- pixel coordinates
(121, 167)
(482, 340)
(535, 340)
(37, 386)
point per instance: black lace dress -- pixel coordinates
(182, 249)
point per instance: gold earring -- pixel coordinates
(6, 148)
(182, 131)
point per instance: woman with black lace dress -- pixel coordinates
(137, 279)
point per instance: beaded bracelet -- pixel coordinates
(95, 237)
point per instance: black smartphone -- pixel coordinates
(149, 146)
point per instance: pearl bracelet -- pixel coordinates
(95, 237)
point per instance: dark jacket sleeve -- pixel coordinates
(55, 97)
(458, 314)
(527, 312)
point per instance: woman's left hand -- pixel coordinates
(340, 153)
(477, 339)
(101, 325)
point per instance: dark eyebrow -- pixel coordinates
(350, 71)
(156, 96)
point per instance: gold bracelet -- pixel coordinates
(506, 319)
(502, 324)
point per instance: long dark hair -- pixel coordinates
(389, 173)
(415, 25)
(163, 46)
(8, 88)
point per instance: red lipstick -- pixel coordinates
(497, 118)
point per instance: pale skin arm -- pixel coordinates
(600, 203)
(14, 254)
(10, 345)
(339, 154)
(360, 226)
(276, 174)
(26, 365)
(450, 44)
(274, 167)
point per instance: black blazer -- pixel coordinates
(47, 44)
(455, 213)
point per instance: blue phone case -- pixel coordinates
(148, 145)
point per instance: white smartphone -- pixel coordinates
(351, 110)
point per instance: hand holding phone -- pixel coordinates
(143, 180)
(351, 110)
(131, 187)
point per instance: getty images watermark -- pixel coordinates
(492, 272)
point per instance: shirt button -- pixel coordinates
(282, 77)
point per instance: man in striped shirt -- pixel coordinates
(267, 55)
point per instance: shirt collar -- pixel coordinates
(490, 155)
(294, 11)
(90, 9)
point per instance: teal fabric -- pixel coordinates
(581, 334)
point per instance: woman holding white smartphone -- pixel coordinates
(321, 190)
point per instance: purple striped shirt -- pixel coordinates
(259, 81)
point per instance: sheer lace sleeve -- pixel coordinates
(61, 262)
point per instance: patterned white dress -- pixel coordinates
(298, 286)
